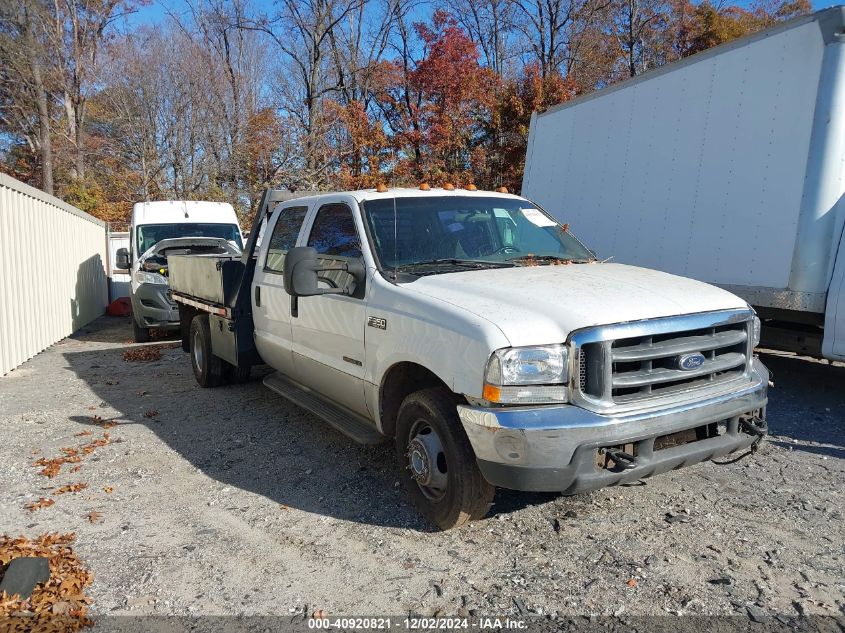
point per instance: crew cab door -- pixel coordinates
(328, 330)
(270, 302)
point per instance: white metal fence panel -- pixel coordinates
(52, 271)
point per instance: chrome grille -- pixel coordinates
(633, 364)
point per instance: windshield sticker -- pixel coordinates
(536, 217)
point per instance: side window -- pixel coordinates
(334, 234)
(284, 237)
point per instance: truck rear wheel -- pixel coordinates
(140, 334)
(438, 467)
(208, 369)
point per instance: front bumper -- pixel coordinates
(554, 448)
(152, 307)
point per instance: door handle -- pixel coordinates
(257, 296)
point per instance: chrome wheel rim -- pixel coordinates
(197, 351)
(427, 461)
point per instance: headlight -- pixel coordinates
(755, 331)
(142, 277)
(522, 375)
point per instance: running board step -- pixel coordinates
(355, 426)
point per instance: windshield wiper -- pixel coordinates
(524, 259)
(474, 264)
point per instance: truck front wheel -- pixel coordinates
(438, 467)
(140, 334)
(208, 369)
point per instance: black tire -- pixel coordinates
(237, 375)
(466, 495)
(208, 369)
(140, 334)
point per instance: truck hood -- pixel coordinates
(206, 244)
(542, 304)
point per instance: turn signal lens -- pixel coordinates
(381, 188)
(502, 190)
(449, 186)
(471, 187)
(424, 186)
(492, 394)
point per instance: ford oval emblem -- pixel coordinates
(688, 362)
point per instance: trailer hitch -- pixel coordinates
(622, 459)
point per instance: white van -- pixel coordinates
(167, 227)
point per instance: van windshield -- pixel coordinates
(484, 231)
(148, 235)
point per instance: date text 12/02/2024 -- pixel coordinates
(417, 624)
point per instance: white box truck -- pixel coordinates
(727, 166)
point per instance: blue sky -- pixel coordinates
(157, 10)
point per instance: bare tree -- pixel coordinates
(637, 25)
(552, 30)
(23, 54)
(490, 23)
(79, 28)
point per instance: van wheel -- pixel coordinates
(208, 369)
(140, 334)
(438, 467)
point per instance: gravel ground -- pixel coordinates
(231, 501)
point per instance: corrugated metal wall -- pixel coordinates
(52, 271)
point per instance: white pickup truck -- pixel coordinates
(482, 337)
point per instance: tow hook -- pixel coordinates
(755, 425)
(621, 458)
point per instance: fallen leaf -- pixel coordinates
(143, 392)
(151, 413)
(57, 605)
(71, 488)
(43, 502)
(146, 354)
(94, 516)
(632, 582)
(320, 614)
(108, 489)
(82, 433)
(76, 469)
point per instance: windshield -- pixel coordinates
(457, 229)
(148, 235)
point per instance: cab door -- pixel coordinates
(328, 331)
(270, 302)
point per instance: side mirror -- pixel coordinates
(123, 259)
(301, 268)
